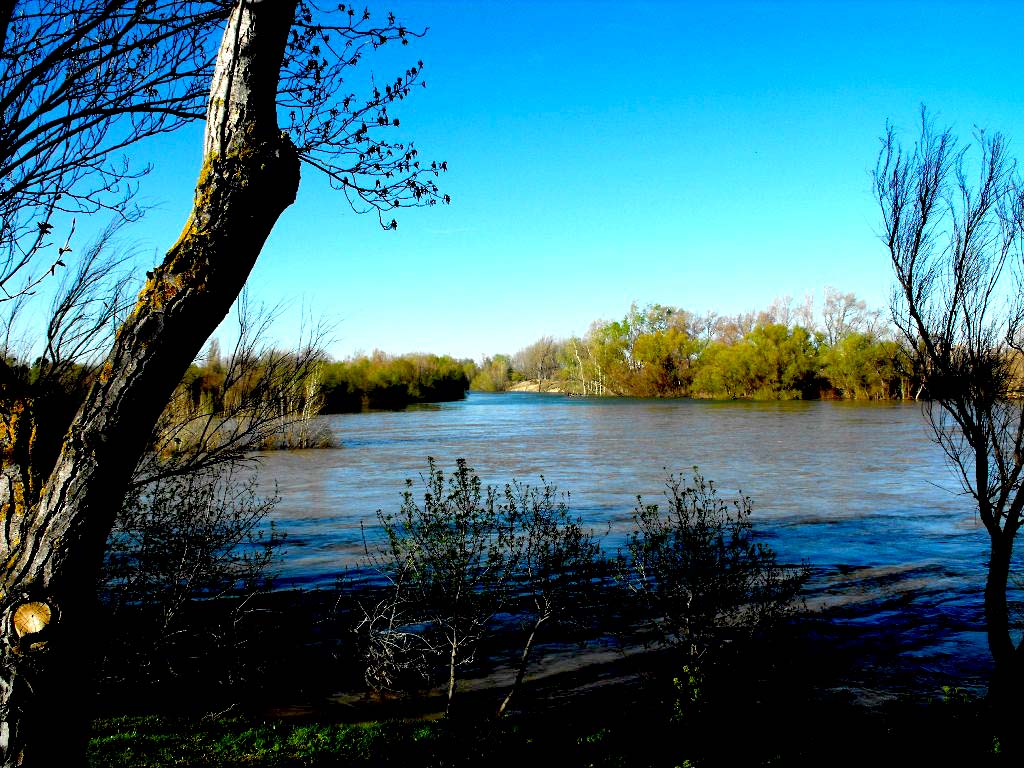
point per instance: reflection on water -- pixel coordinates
(860, 491)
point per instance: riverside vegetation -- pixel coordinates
(469, 578)
(704, 620)
(188, 587)
(845, 351)
(657, 351)
(782, 353)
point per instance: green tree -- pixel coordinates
(784, 361)
(493, 375)
(769, 362)
(666, 358)
(723, 370)
(862, 367)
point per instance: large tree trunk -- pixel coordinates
(52, 548)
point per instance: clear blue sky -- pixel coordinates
(704, 155)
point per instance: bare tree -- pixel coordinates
(81, 81)
(272, 54)
(804, 313)
(264, 397)
(842, 313)
(538, 360)
(953, 224)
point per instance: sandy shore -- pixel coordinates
(532, 385)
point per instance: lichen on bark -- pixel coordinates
(53, 537)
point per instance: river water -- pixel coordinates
(859, 491)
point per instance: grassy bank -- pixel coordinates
(833, 731)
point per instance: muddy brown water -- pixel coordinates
(859, 491)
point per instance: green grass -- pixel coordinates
(949, 731)
(156, 742)
(159, 741)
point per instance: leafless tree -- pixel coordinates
(953, 224)
(81, 81)
(538, 360)
(842, 313)
(267, 396)
(803, 315)
(281, 54)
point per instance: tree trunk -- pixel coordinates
(524, 661)
(451, 677)
(1008, 675)
(52, 548)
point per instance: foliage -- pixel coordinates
(452, 560)
(387, 381)
(860, 367)
(455, 561)
(184, 561)
(494, 374)
(592, 731)
(702, 578)
(776, 354)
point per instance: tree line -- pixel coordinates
(380, 380)
(782, 353)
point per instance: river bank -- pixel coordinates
(797, 699)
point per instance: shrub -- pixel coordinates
(185, 560)
(702, 579)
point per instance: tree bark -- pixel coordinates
(524, 661)
(451, 676)
(996, 609)
(52, 549)
(1008, 674)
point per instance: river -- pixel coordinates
(859, 491)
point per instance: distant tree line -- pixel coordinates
(393, 381)
(785, 352)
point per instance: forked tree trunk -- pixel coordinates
(51, 549)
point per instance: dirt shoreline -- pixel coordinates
(532, 385)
